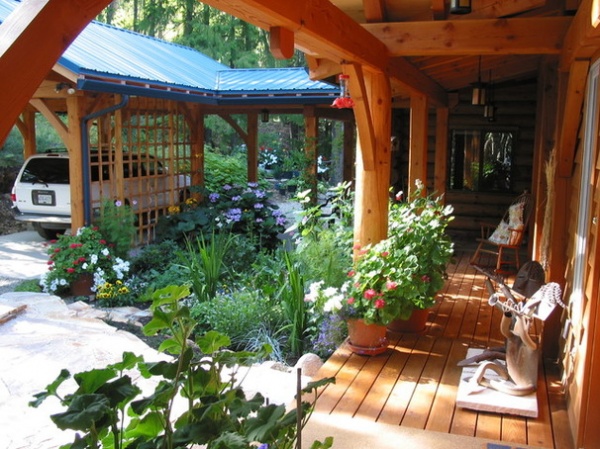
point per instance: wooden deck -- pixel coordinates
(415, 382)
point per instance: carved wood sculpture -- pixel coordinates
(521, 352)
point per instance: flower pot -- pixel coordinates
(366, 339)
(416, 323)
(83, 285)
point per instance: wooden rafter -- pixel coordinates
(58, 125)
(374, 10)
(322, 30)
(42, 28)
(583, 37)
(571, 118)
(473, 37)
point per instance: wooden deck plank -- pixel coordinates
(380, 391)
(401, 395)
(442, 411)
(421, 404)
(415, 383)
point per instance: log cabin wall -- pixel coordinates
(516, 109)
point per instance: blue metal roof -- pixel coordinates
(110, 59)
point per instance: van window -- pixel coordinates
(46, 170)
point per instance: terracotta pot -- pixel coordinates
(366, 339)
(83, 285)
(416, 323)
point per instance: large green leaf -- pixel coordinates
(83, 411)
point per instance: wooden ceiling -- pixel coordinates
(419, 43)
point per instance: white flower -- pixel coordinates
(94, 259)
(333, 303)
(105, 252)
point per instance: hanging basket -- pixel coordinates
(415, 324)
(366, 339)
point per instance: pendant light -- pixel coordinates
(460, 6)
(489, 110)
(479, 89)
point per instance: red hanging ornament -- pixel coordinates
(344, 100)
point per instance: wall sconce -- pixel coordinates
(479, 90)
(264, 116)
(344, 100)
(61, 86)
(460, 6)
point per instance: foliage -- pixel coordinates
(84, 252)
(239, 209)
(291, 297)
(117, 225)
(246, 316)
(332, 332)
(108, 410)
(145, 260)
(222, 169)
(403, 271)
(204, 261)
(29, 285)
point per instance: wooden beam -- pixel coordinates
(311, 130)
(59, 126)
(374, 10)
(419, 119)
(372, 186)
(362, 114)
(440, 177)
(322, 30)
(252, 147)
(39, 29)
(583, 38)
(319, 69)
(571, 118)
(281, 42)
(543, 35)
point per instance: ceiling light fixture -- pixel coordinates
(460, 6)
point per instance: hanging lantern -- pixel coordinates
(479, 90)
(344, 100)
(460, 6)
(489, 112)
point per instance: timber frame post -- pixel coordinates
(372, 182)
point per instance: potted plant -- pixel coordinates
(82, 258)
(399, 274)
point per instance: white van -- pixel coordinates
(42, 195)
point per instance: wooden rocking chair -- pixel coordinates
(504, 241)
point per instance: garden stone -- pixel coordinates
(310, 364)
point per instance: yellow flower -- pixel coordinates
(191, 201)
(173, 210)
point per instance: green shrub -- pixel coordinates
(242, 314)
(30, 285)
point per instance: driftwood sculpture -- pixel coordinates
(521, 352)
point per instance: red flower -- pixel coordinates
(82, 259)
(356, 246)
(385, 253)
(391, 285)
(70, 270)
(370, 294)
(57, 250)
(351, 273)
(351, 300)
(425, 278)
(379, 303)
(103, 242)
(50, 262)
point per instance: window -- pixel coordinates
(481, 160)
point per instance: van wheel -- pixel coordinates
(48, 234)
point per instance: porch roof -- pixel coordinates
(110, 59)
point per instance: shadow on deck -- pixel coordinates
(413, 385)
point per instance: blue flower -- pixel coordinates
(234, 214)
(258, 206)
(260, 194)
(236, 198)
(253, 184)
(213, 197)
(227, 187)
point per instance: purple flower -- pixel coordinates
(259, 194)
(236, 198)
(280, 221)
(227, 187)
(118, 203)
(258, 206)
(259, 220)
(253, 184)
(213, 197)
(234, 214)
